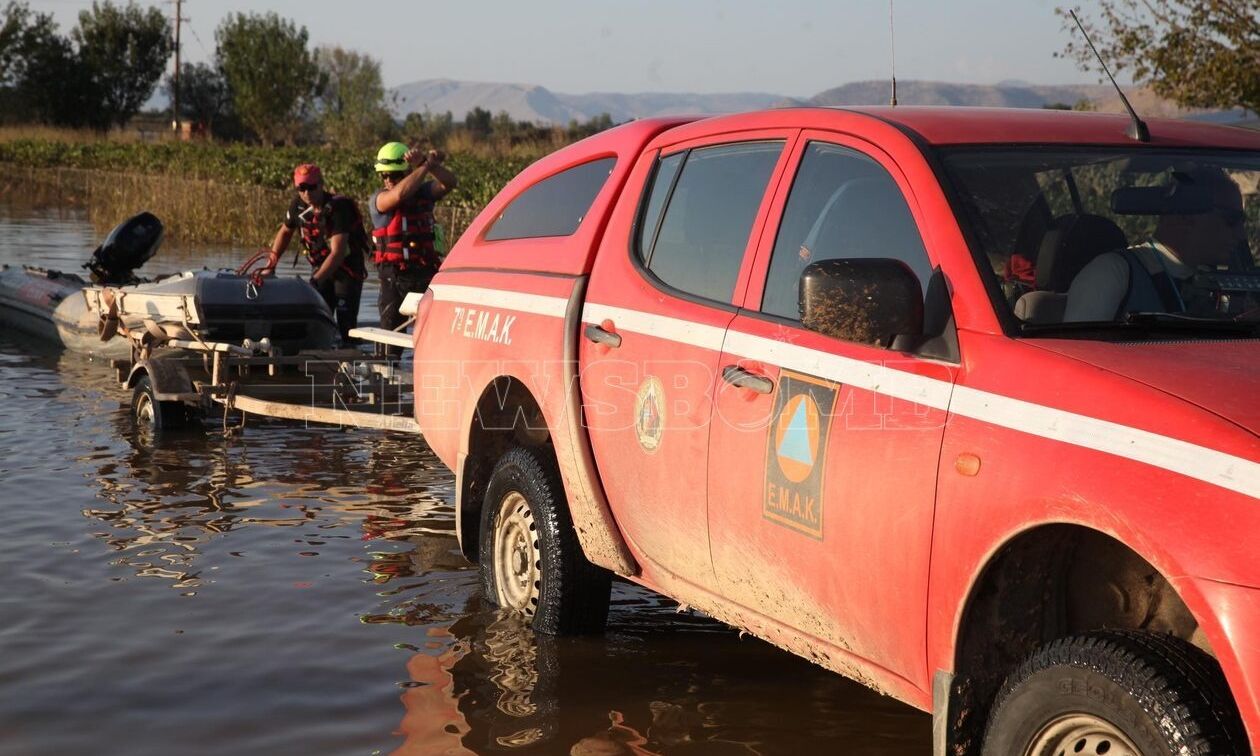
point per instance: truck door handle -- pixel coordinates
(741, 378)
(600, 336)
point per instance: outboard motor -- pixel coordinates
(126, 248)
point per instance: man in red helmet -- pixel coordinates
(333, 240)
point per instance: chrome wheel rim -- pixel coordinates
(517, 558)
(145, 414)
(1082, 734)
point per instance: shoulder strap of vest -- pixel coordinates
(1147, 292)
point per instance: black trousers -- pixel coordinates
(396, 284)
(342, 293)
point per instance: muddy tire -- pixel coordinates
(530, 558)
(1121, 693)
(153, 415)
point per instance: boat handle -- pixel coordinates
(741, 378)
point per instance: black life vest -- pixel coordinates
(407, 236)
(315, 236)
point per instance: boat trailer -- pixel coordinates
(176, 378)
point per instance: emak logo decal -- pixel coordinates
(649, 414)
(797, 451)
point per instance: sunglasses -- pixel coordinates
(307, 187)
(399, 176)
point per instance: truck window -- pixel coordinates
(662, 183)
(699, 243)
(843, 205)
(554, 206)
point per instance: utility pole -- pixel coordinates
(179, 20)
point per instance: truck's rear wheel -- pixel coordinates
(1118, 693)
(531, 561)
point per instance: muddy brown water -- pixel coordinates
(298, 590)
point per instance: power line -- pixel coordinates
(197, 37)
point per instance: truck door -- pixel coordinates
(656, 311)
(824, 451)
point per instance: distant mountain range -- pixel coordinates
(528, 102)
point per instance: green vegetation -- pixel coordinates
(194, 211)
(204, 99)
(351, 106)
(1199, 53)
(98, 77)
(123, 52)
(273, 77)
(346, 171)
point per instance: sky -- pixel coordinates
(796, 48)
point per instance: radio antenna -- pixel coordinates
(892, 53)
(1137, 127)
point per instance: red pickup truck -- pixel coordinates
(959, 403)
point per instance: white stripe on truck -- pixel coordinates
(1167, 453)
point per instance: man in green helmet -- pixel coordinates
(402, 223)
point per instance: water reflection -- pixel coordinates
(494, 686)
(165, 497)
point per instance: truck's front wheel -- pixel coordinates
(1119, 693)
(531, 561)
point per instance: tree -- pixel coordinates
(204, 96)
(1198, 53)
(40, 74)
(352, 106)
(272, 75)
(477, 122)
(123, 51)
(502, 125)
(428, 128)
(14, 27)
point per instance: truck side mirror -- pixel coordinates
(869, 301)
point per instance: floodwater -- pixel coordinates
(296, 590)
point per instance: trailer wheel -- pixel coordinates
(154, 415)
(1121, 693)
(531, 561)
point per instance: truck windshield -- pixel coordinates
(1104, 239)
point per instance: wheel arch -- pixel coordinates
(505, 413)
(508, 412)
(1046, 582)
(170, 379)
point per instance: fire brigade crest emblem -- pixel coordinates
(797, 451)
(649, 414)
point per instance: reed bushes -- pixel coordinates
(195, 210)
(207, 192)
(346, 171)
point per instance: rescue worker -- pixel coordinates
(1159, 275)
(402, 224)
(333, 240)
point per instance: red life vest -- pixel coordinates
(315, 238)
(407, 237)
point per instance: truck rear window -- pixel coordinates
(554, 206)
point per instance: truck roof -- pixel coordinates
(959, 125)
(953, 125)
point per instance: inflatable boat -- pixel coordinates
(89, 314)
